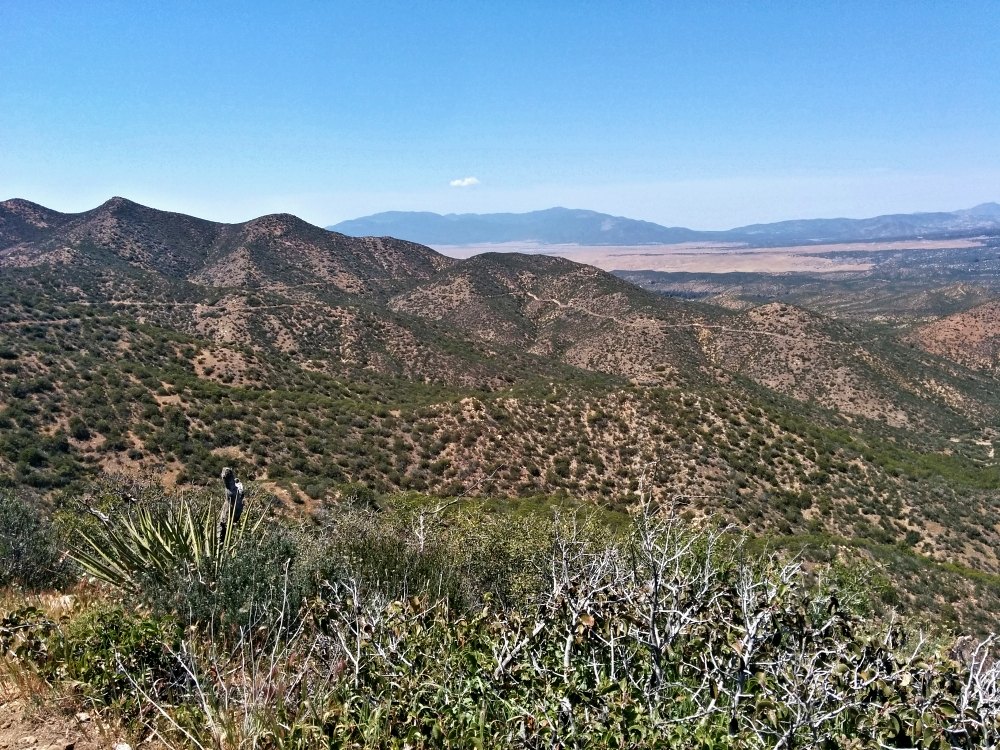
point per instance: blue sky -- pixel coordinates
(701, 114)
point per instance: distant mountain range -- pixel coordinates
(556, 226)
(553, 226)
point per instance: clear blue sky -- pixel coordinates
(703, 114)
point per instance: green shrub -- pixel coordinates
(115, 655)
(456, 623)
(150, 543)
(29, 552)
(109, 656)
(266, 577)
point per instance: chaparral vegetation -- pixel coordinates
(409, 621)
(503, 502)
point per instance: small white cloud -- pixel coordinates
(464, 182)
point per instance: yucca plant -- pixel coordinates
(151, 545)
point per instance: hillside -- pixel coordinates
(566, 311)
(970, 337)
(145, 342)
(277, 251)
(846, 368)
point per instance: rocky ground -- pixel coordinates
(26, 725)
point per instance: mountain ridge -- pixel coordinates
(183, 247)
(361, 284)
(279, 283)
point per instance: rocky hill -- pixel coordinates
(276, 251)
(844, 367)
(562, 310)
(970, 337)
(281, 285)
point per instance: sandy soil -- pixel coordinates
(25, 726)
(696, 257)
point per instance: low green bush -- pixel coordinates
(109, 656)
(29, 548)
(434, 624)
(119, 659)
(263, 579)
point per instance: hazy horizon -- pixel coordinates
(702, 116)
(639, 218)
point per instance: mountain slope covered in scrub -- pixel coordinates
(148, 342)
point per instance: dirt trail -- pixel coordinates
(643, 324)
(54, 322)
(556, 302)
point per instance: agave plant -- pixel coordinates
(149, 545)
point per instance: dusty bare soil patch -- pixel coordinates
(26, 726)
(227, 366)
(172, 398)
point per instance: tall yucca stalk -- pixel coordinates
(151, 546)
